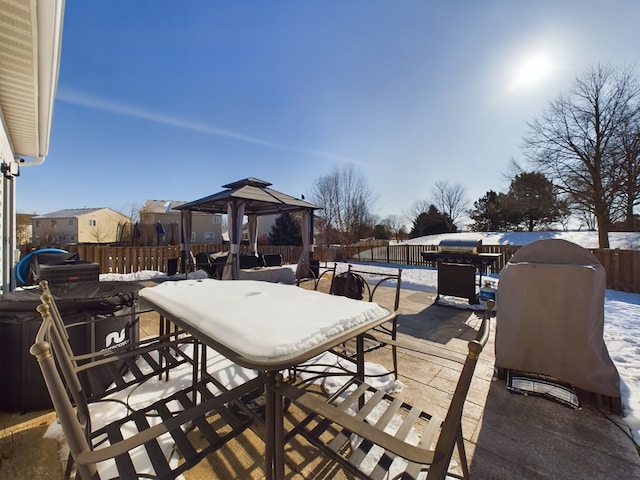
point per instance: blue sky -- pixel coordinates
(172, 100)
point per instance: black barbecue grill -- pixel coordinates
(457, 262)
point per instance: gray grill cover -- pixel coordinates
(551, 316)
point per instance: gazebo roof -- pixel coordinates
(258, 199)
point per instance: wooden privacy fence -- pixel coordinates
(622, 266)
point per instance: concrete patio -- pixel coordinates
(508, 435)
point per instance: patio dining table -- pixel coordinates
(267, 327)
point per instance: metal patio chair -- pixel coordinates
(350, 423)
(135, 433)
(315, 273)
(358, 285)
(364, 284)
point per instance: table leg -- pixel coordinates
(269, 425)
(274, 418)
(360, 364)
(278, 433)
(360, 357)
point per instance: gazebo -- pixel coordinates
(251, 197)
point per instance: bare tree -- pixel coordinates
(574, 142)
(128, 231)
(395, 225)
(629, 173)
(588, 220)
(347, 201)
(450, 199)
(99, 234)
(417, 207)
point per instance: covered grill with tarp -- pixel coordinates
(251, 197)
(550, 319)
(97, 315)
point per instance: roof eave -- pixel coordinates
(50, 21)
(32, 33)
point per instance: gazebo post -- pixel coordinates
(235, 244)
(235, 213)
(185, 244)
(304, 262)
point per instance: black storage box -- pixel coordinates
(172, 266)
(70, 271)
(272, 259)
(97, 315)
(250, 261)
(314, 265)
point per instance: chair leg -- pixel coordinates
(394, 354)
(463, 455)
(70, 464)
(394, 348)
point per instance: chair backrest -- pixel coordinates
(364, 284)
(55, 357)
(316, 273)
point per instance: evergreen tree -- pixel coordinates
(381, 232)
(490, 213)
(532, 201)
(285, 231)
(431, 222)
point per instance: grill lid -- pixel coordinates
(459, 246)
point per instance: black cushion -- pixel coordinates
(272, 259)
(250, 261)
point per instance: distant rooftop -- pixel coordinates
(162, 206)
(69, 213)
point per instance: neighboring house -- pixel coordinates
(160, 225)
(30, 43)
(73, 226)
(24, 228)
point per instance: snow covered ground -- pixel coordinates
(622, 310)
(621, 240)
(621, 323)
(621, 327)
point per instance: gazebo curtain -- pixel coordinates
(235, 214)
(185, 245)
(253, 234)
(304, 263)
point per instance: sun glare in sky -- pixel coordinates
(530, 72)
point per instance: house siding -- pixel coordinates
(205, 227)
(93, 226)
(6, 156)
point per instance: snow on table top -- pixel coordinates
(260, 319)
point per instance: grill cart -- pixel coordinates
(458, 262)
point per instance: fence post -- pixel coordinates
(616, 269)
